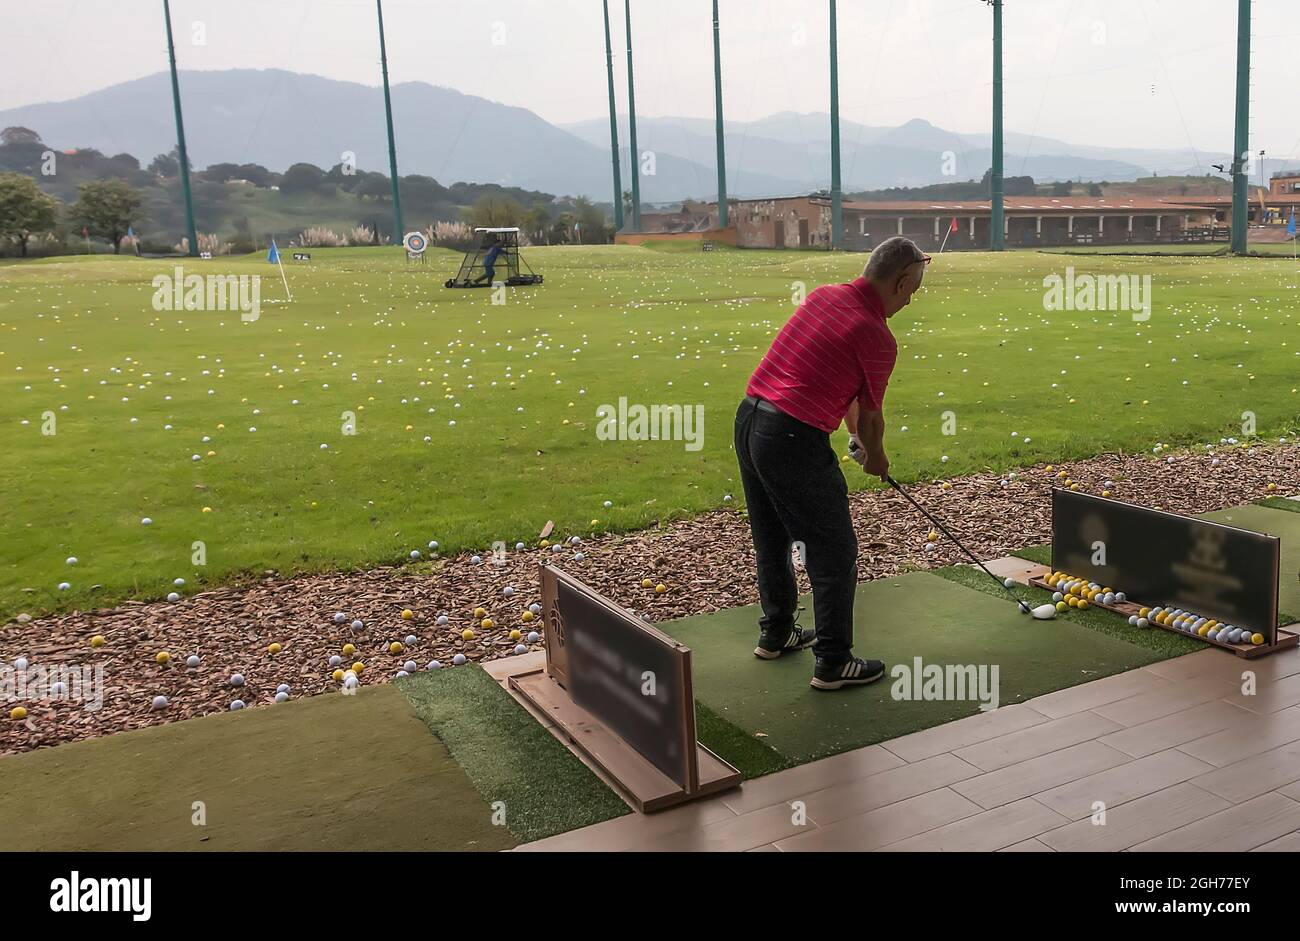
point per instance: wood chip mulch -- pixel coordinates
(706, 563)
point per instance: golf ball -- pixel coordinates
(1143, 622)
(411, 639)
(173, 596)
(520, 648)
(443, 620)
(533, 637)
(458, 660)
(237, 679)
(236, 705)
(335, 660)
(536, 609)
(1008, 583)
(159, 702)
(433, 665)
(193, 661)
(339, 617)
(410, 666)
(1057, 596)
(281, 697)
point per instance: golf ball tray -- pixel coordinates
(1075, 592)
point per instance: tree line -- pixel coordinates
(56, 196)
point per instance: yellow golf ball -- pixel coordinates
(274, 649)
(395, 647)
(338, 676)
(358, 667)
(660, 588)
(526, 616)
(1257, 639)
(1062, 606)
(98, 641)
(163, 658)
(349, 650)
(1083, 603)
(407, 614)
(516, 634)
(646, 583)
(18, 713)
(467, 634)
(486, 624)
(480, 612)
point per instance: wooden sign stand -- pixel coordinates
(644, 786)
(687, 771)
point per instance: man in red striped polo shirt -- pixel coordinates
(829, 364)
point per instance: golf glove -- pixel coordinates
(856, 450)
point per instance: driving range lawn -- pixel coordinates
(506, 396)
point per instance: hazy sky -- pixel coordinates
(1105, 72)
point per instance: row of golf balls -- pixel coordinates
(1196, 625)
(1079, 592)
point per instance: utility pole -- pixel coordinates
(631, 120)
(997, 221)
(717, 111)
(398, 231)
(1241, 139)
(837, 208)
(613, 124)
(180, 137)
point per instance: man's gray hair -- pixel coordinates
(890, 257)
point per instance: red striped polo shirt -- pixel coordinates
(836, 347)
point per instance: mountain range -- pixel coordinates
(277, 118)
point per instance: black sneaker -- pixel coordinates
(851, 672)
(770, 647)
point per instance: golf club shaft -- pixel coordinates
(907, 496)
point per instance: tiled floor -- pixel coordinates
(1168, 757)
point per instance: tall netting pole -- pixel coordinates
(1241, 139)
(388, 113)
(997, 222)
(180, 136)
(613, 124)
(837, 209)
(631, 122)
(717, 117)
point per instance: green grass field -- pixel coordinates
(84, 354)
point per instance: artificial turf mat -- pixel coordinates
(1290, 504)
(1277, 522)
(1040, 554)
(896, 619)
(328, 772)
(508, 755)
(1163, 643)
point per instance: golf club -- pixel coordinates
(1041, 612)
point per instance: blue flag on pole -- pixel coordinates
(1290, 226)
(130, 230)
(273, 256)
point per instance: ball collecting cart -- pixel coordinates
(472, 270)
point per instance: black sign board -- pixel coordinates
(706, 246)
(633, 677)
(302, 256)
(1164, 559)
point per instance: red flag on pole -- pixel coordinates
(953, 227)
(85, 232)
